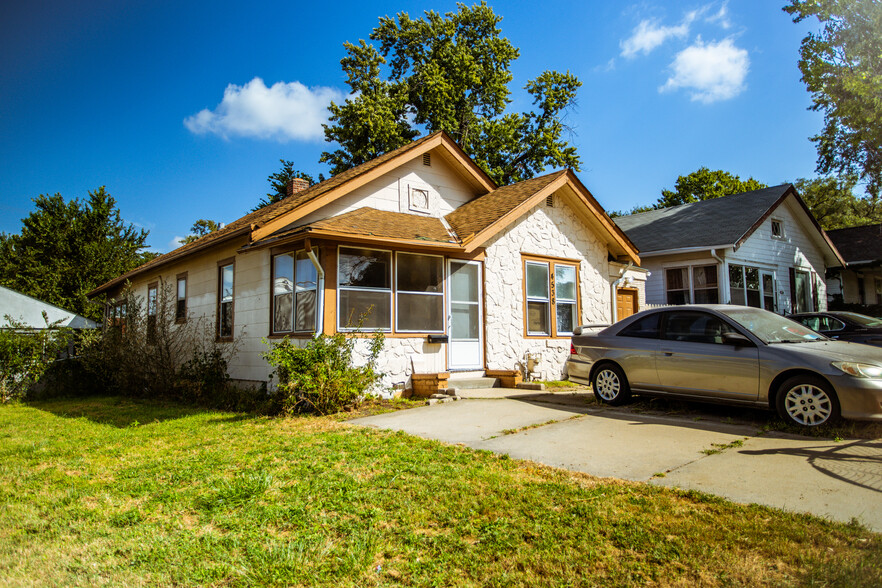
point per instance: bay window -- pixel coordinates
(364, 289)
(419, 293)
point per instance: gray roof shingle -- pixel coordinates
(709, 223)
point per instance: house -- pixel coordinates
(29, 312)
(860, 281)
(761, 248)
(463, 276)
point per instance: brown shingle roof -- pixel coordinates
(243, 225)
(371, 222)
(478, 214)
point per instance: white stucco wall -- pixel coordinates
(543, 231)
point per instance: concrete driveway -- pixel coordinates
(840, 480)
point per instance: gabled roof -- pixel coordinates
(263, 222)
(859, 245)
(29, 311)
(716, 223)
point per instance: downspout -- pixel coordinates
(320, 307)
(615, 287)
(724, 276)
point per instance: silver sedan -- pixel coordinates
(734, 355)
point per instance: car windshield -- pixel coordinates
(861, 319)
(770, 327)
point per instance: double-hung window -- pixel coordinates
(225, 300)
(295, 292)
(181, 299)
(364, 286)
(693, 284)
(419, 293)
(151, 311)
(551, 290)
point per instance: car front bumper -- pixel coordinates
(859, 398)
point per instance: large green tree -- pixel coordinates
(450, 73)
(66, 249)
(279, 183)
(705, 184)
(201, 228)
(841, 66)
(834, 204)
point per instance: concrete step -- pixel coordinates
(472, 383)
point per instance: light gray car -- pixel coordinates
(731, 354)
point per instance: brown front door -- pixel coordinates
(626, 302)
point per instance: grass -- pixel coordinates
(120, 492)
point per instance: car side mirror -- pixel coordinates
(736, 339)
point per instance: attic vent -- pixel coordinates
(549, 201)
(427, 159)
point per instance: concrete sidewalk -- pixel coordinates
(839, 480)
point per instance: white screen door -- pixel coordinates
(465, 346)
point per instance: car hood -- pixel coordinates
(835, 350)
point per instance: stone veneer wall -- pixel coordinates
(546, 231)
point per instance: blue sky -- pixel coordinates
(182, 109)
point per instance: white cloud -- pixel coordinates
(721, 16)
(710, 71)
(284, 111)
(648, 35)
(175, 243)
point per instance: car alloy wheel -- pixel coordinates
(610, 386)
(807, 402)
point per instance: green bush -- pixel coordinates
(321, 376)
(25, 355)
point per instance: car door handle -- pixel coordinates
(667, 353)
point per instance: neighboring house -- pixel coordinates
(860, 281)
(28, 311)
(462, 276)
(761, 248)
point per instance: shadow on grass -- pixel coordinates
(124, 412)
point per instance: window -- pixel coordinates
(364, 288)
(116, 313)
(702, 288)
(644, 328)
(225, 301)
(151, 311)
(295, 291)
(695, 327)
(181, 299)
(419, 293)
(748, 286)
(551, 298)
(828, 323)
(777, 229)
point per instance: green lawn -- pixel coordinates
(120, 492)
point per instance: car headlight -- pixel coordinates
(859, 370)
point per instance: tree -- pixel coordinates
(834, 204)
(66, 249)
(449, 73)
(705, 184)
(279, 183)
(842, 69)
(199, 229)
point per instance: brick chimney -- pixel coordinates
(297, 185)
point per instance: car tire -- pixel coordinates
(807, 401)
(610, 385)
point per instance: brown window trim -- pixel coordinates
(182, 276)
(221, 264)
(552, 294)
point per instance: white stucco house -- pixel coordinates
(464, 277)
(761, 248)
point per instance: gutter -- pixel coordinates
(723, 279)
(682, 250)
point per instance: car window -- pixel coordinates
(812, 322)
(770, 327)
(828, 323)
(862, 319)
(644, 328)
(695, 327)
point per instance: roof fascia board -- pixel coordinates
(660, 252)
(475, 172)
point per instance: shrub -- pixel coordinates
(26, 353)
(321, 377)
